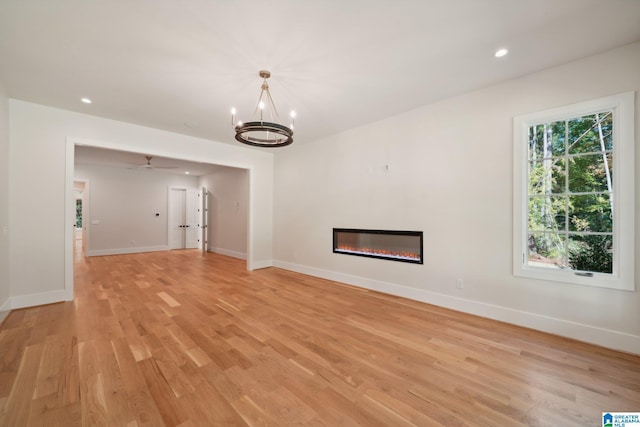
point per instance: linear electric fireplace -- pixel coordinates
(404, 246)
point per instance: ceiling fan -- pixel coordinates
(149, 166)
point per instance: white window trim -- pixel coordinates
(623, 276)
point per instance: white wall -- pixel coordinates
(41, 183)
(450, 175)
(125, 203)
(228, 209)
(4, 204)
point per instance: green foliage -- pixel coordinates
(592, 253)
(78, 213)
(570, 176)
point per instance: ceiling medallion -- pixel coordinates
(261, 133)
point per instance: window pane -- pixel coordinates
(547, 176)
(590, 173)
(547, 213)
(606, 120)
(547, 140)
(535, 142)
(547, 250)
(591, 212)
(565, 195)
(591, 253)
(584, 135)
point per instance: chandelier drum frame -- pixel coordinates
(243, 130)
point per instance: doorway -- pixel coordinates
(80, 235)
(185, 207)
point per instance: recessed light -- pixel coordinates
(86, 100)
(501, 52)
(186, 172)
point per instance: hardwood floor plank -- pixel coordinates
(215, 408)
(50, 368)
(92, 397)
(182, 338)
(146, 412)
(252, 414)
(13, 342)
(17, 406)
(162, 394)
(168, 299)
(46, 411)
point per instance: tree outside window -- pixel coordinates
(570, 200)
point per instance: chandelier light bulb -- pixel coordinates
(293, 118)
(261, 105)
(233, 111)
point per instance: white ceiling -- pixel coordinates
(338, 63)
(85, 155)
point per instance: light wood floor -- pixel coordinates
(191, 339)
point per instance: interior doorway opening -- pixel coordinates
(115, 150)
(221, 214)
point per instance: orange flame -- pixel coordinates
(381, 252)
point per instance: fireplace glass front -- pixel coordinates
(404, 246)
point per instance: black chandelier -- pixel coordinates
(261, 133)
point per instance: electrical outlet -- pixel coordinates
(459, 284)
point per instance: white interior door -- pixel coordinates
(184, 218)
(192, 219)
(177, 200)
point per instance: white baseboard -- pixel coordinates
(227, 252)
(591, 334)
(22, 301)
(256, 265)
(122, 251)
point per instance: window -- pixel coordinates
(78, 213)
(574, 193)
